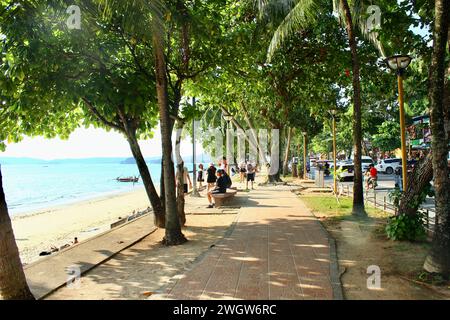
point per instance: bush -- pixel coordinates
(405, 227)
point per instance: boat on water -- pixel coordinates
(128, 179)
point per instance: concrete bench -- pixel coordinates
(221, 198)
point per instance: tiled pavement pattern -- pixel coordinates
(277, 250)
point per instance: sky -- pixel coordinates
(89, 143)
(93, 143)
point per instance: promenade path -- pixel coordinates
(275, 250)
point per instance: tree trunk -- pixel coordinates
(159, 219)
(274, 176)
(358, 192)
(13, 284)
(173, 235)
(417, 181)
(180, 178)
(438, 261)
(286, 155)
(162, 190)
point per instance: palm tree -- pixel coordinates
(153, 13)
(438, 260)
(173, 236)
(13, 284)
(302, 13)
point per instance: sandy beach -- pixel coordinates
(38, 231)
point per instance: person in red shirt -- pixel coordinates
(373, 172)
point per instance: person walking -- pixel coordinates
(211, 176)
(242, 172)
(398, 178)
(223, 165)
(251, 172)
(200, 176)
(187, 183)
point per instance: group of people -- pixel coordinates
(218, 179)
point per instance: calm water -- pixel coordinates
(36, 186)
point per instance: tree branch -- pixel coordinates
(100, 117)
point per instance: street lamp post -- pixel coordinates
(399, 63)
(304, 156)
(334, 113)
(228, 117)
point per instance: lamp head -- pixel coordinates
(228, 117)
(398, 63)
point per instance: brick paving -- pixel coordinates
(276, 250)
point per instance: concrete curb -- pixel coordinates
(101, 262)
(86, 268)
(338, 292)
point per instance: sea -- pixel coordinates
(38, 186)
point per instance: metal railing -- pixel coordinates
(383, 203)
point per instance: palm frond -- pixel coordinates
(302, 15)
(136, 14)
(359, 18)
(271, 8)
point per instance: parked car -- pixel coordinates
(345, 171)
(366, 162)
(388, 166)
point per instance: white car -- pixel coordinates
(346, 171)
(366, 162)
(388, 166)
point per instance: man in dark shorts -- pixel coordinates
(221, 187)
(211, 176)
(251, 172)
(200, 178)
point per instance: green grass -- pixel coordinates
(328, 206)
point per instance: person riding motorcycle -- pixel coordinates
(372, 181)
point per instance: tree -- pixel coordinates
(387, 138)
(94, 76)
(173, 229)
(304, 13)
(13, 284)
(438, 261)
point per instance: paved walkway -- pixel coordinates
(276, 250)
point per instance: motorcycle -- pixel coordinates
(372, 183)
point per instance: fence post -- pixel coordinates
(384, 204)
(375, 198)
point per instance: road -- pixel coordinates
(386, 184)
